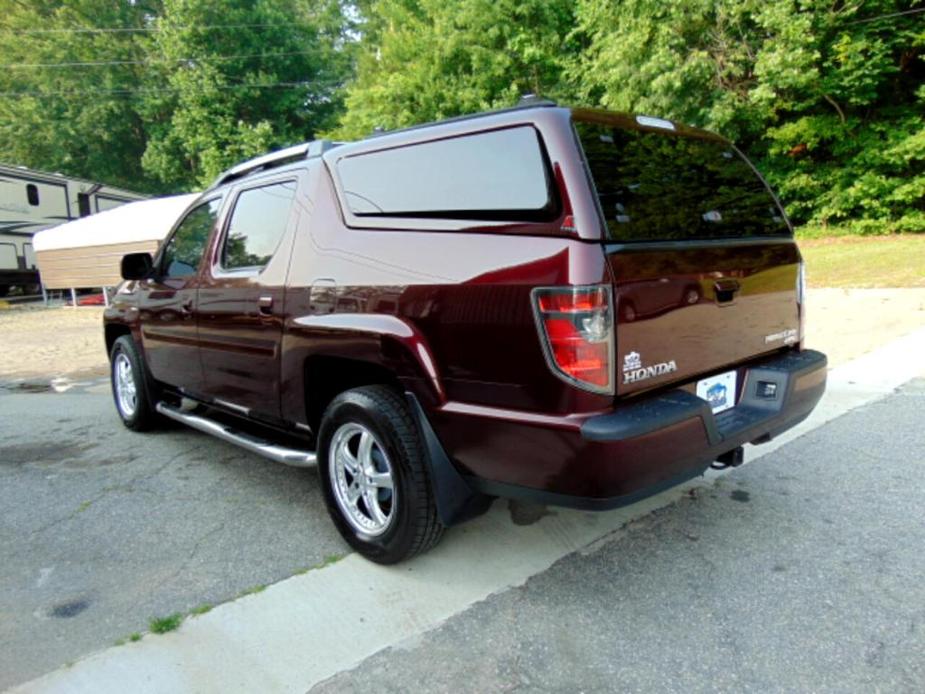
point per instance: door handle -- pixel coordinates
(265, 305)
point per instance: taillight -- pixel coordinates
(576, 328)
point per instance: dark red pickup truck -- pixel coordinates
(571, 306)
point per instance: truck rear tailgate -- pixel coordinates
(691, 310)
(704, 265)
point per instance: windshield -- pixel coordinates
(656, 186)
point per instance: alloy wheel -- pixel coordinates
(362, 479)
(124, 381)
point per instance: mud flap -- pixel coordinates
(456, 501)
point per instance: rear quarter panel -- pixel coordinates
(464, 295)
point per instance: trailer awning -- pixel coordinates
(87, 252)
(145, 220)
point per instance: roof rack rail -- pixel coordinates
(306, 150)
(527, 101)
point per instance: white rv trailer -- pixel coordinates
(34, 200)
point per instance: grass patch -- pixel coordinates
(161, 625)
(858, 227)
(133, 637)
(813, 232)
(327, 561)
(252, 591)
(865, 261)
(84, 506)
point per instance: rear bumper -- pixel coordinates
(616, 458)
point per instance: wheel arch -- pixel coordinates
(326, 355)
(112, 332)
(346, 351)
(326, 376)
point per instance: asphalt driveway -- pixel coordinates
(102, 529)
(800, 573)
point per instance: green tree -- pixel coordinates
(428, 59)
(827, 96)
(68, 102)
(240, 78)
(161, 96)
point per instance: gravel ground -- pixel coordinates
(102, 529)
(846, 323)
(37, 342)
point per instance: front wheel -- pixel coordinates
(374, 475)
(130, 386)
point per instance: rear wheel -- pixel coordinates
(374, 475)
(130, 388)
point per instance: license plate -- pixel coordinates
(719, 391)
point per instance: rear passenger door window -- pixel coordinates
(495, 175)
(258, 221)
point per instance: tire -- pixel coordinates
(371, 429)
(4, 290)
(131, 389)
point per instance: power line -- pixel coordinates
(889, 16)
(134, 30)
(99, 63)
(152, 90)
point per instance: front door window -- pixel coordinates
(186, 247)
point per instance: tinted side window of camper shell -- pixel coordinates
(494, 175)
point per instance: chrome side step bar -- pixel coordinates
(268, 449)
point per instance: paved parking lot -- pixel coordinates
(800, 571)
(102, 529)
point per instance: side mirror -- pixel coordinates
(136, 266)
